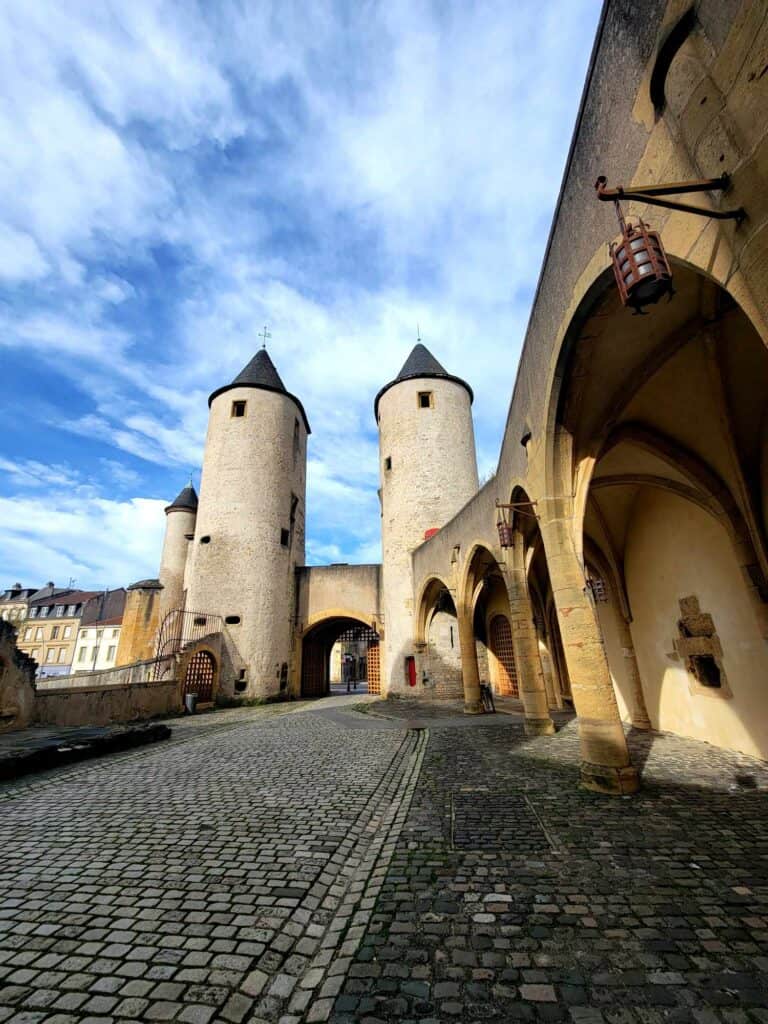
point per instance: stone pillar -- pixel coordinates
(605, 765)
(639, 711)
(525, 645)
(469, 670)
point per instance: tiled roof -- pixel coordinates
(261, 373)
(420, 365)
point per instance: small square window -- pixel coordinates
(388, 462)
(238, 409)
(425, 400)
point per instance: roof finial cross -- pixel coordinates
(418, 333)
(265, 334)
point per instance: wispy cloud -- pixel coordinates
(175, 176)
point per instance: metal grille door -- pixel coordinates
(501, 645)
(199, 677)
(374, 667)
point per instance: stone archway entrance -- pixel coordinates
(200, 675)
(500, 644)
(355, 643)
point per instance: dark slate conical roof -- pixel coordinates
(185, 500)
(420, 364)
(261, 373)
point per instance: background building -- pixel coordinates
(99, 634)
(49, 634)
(13, 603)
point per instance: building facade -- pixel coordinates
(98, 636)
(617, 561)
(49, 633)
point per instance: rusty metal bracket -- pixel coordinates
(519, 506)
(651, 194)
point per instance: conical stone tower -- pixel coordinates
(249, 534)
(428, 471)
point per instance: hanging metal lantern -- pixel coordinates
(505, 534)
(504, 527)
(640, 265)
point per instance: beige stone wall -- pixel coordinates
(17, 673)
(250, 471)
(141, 621)
(441, 660)
(178, 524)
(692, 555)
(327, 591)
(104, 705)
(124, 675)
(434, 473)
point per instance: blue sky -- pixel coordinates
(173, 176)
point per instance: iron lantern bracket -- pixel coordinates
(522, 507)
(651, 194)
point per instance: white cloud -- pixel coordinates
(20, 256)
(96, 541)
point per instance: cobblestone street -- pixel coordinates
(318, 863)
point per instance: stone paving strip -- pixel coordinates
(211, 880)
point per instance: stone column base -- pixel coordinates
(539, 727)
(473, 707)
(613, 781)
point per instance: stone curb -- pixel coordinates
(345, 932)
(65, 750)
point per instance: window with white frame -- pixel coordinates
(111, 653)
(67, 632)
(50, 654)
(62, 655)
(60, 609)
(81, 655)
(71, 610)
(44, 612)
(55, 633)
(39, 633)
(115, 633)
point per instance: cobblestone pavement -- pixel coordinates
(514, 896)
(301, 865)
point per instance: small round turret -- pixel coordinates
(428, 470)
(180, 518)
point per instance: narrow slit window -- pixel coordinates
(285, 536)
(238, 409)
(388, 462)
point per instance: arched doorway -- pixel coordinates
(664, 422)
(338, 654)
(438, 653)
(200, 676)
(503, 671)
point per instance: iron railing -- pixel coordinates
(180, 628)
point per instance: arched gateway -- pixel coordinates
(317, 646)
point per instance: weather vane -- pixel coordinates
(265, 334)
(418, 333)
